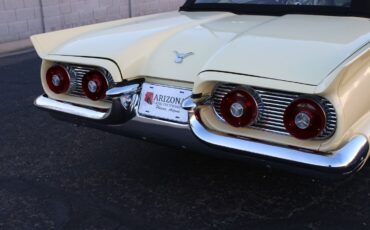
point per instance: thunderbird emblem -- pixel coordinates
(181, 56)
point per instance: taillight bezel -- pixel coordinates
(64, 77)
(245, 97)
(311, 107)
(102, 85)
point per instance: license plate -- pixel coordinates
(163, 102)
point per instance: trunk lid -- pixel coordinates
(294, 48)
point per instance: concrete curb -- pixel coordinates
(15, 48)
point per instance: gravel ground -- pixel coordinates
(54, 175)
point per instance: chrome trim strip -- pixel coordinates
(123, 90)
(188, 104)
(351, 157)
(50, 104)
(122, 110)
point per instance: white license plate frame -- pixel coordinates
(163, 102)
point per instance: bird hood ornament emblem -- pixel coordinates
(181, 56)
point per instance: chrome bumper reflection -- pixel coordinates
(49, 104)
(123, 119)
(124, 102)
(350, 158)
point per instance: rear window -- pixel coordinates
(338, 3)
(357, 8)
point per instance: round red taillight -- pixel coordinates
(94, 85)
(57, 79)
(305, 118)
(239, 108)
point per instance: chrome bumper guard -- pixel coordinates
(123, 119)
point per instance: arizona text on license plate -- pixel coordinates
(163, 102)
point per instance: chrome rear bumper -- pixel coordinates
(349, 159)
(123, 119)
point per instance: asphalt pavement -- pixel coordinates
(55, 175)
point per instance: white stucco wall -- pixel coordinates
(21, 18)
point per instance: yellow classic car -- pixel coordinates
(282, 82)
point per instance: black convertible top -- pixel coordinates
(358, 8)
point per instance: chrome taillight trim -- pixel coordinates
(77, 72)
(272, 107)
